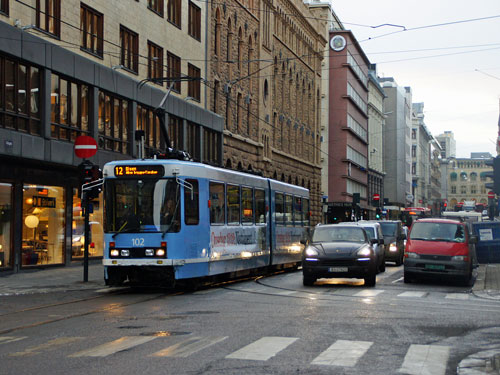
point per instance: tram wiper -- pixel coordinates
(130, 223)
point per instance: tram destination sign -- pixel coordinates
(153, 171)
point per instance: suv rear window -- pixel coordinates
(389, 229)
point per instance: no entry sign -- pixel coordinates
(85, 147)
(491, 195)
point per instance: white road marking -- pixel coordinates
(413, 294)
(263, 349)
(398, 280)
(369, 293)
(187, 347)
(457, 296)
(425, 360)
(46, 346)
(343, 353)
(9, 339)
(112, 347)
(286, 292)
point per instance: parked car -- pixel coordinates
(374, 231)
(337, 250)
(440, 247)
(394, 240)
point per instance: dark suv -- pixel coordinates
(394, 237)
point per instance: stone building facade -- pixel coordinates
(265, 79)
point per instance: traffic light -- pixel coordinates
(87, 173)
(378, 213)
(495, 175)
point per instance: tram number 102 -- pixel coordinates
(137, 242)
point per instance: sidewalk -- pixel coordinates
(52, 279)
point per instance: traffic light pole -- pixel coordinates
(86, 205)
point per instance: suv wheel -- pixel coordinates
(308, 280)
(371, 280)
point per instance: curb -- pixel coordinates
(485, 362)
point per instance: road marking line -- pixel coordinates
(398, 280)
(425, 360)
(263, 349)
(369, 293)
(457, 296)
(286, 292)
(45, 346)
(9, 339)
(112, 347)
(187, 347)
(343, 353)
(413, 294)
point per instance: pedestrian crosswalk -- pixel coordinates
(341, 353)
(364, 293)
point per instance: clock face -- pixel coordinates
(338, 43)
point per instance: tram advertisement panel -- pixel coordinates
(288, 239)
(226, 241)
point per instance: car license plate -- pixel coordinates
(434, 267)
(337, 269)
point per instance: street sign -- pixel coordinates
(491, 195)
(376, 197)
(85, 147)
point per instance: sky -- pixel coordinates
(454, 69)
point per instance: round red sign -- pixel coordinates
(376, 197)
(85, 147)
(491, 194)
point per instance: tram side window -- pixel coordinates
(260, 206)
(191, 203)
(247, 205)
(307, 216)
(288, 210)
(233, 205)
(280, 209)
(297, 211)
(217, 203)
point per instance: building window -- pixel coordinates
(174, 71)
(215, 107)
(48, 16)
(473, 189)
(69, 109)
(414, 168)
(4, 8)
(210, 146)
(19, 97)
(174, 12)
(149, 123)
(194, 84)
(453, 190)
(193, 140)
(155, 63)
(413, 133)
(78, 229)
(413, 151)
(91, 30)
(463, 189)
(266, 21)
(156, 6)
(194, 26)
(175, 130)
(129, 46)
(113, 123)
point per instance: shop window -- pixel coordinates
(19, 96)
(149, 123)
(175, 130)
(48, 16)
(113, 123)
(6, 219)
(193, 140)
(96, 235)
(69, 115)
(210, 146)
(43, 225)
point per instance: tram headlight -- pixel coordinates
(125, 253)
(160, 252)
(114, 252)
(149, 252)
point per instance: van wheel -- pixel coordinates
(371, 280)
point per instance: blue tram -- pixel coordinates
(168, 221)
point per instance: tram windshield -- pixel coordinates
(148, 205)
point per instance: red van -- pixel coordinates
(440, 247)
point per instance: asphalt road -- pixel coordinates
(269, 325)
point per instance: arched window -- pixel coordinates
(463, 176)
(249, 63)
(473, 176)
(240, 50)
(217, 33)
(453, 176)
(229, 48)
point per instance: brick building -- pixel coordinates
(265, 79)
